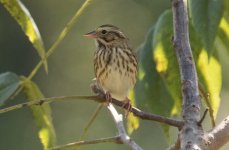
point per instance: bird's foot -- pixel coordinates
(108, 98)
(127, 105)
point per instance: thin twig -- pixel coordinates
(115, 139)
(60, 38)
(118, 119)
(137, 112)
(91, 120)
(204, 115)
(49, 100)
(207, 101)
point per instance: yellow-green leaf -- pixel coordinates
(210, 74)
(223, 33)
(42, 114)
(22, 15)
(165, 58)
(132, 121)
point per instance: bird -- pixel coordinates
(115, 63)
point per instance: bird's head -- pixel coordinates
(108, 35)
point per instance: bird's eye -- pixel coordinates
(104, 31)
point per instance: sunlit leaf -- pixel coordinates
(9, 83)
(42, 114)
(132, 121)
(205, 17)
(21, 14)
(165, 58)
(210, 74)
(223, 33)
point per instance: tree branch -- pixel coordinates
(191, 133)
(115, 139)
(219, 135)
(100, 99)
(118, 119)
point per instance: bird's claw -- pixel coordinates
(128, 106)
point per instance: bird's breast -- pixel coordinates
(115, 71)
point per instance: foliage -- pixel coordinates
(42, 114)
(10, 82)
(158, 87)
(21, 14)
(159, 84)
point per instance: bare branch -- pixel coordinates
(137, 112)
(91, 120)
(49, 100)
(219, 135)
(191, 135)
(204, 115)
(118, 119)
(100, 99)
(207, 101)
(115, 139)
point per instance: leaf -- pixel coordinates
(210, 74)
(205, 17)
(150, 90)
(21, 14)
(223, 33)
(132, 121)
(165, 59)
(9, 83)
(42, 114)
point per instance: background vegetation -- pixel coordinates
(70, 68)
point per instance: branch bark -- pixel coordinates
(219, 135)
(118, 119)
(191, 134)
(115, 139)
(100, 99)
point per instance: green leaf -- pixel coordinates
(223, 33)
(42, 114)
(9, 83)
(150, 90)
(210, 74)
(165, 59)
(21, 14)
(205, 17)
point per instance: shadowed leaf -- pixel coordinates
(41, 113)
(9, 83)
(150, 90)
(21, 14)
(165, 59)
(205, 17)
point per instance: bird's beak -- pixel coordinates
(91, 34)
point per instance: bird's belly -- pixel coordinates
(117, 83)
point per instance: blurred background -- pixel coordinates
(71, 71)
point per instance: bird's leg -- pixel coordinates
(108, 97)
(128, 106)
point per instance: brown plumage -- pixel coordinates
(115, 63)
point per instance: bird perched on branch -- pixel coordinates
(115, 63)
